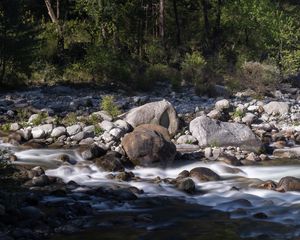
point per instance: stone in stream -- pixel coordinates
(160, 113)
(149, 144)
(204, 174)
(269, 185)
(89, 152)
(287, 152)
(229, 159)
(210, 132)
(110, 162)
(187, 185)
(288, 184)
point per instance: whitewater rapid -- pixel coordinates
(223, 195)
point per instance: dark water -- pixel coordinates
(176, 220)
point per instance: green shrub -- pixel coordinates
(108, 104)
(40, 118)
(77, 73)
(155, 53)
(5, 127)
(192, 66)
(238, 113)
(291, 62)
(70, 119)
(106, 65)
(160, 73)
(98, 130)
(260, 77)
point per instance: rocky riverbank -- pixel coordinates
(76, 160)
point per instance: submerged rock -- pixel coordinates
(210, 132)
(110, 162)
(204, 174)
(88, 152)
(186, 185)
(288, 184)
(149, 144)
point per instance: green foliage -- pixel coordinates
(238, 113)
(23, 114)
(195, 70)
(108, 105)
(120, 41)
(159, 73)
(17, 42)
(70, 119)
(106, 65)
(260, 77)
(98, 130)
(5, 127)
(41, 117)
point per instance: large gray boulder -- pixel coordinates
(277, 108)
(160, 113)
(149, 145)
(210, 132)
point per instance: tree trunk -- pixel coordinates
(217, 28)
(205, 17)
(178, 31)
(161, 19)
(55, 18)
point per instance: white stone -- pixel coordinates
(58, 131)
(37, 133)
(74, 129)
(222, 104)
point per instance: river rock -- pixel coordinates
(37, 132)
(186, 139)
(277, 108)
(125, 126)
(116, 132)
(58, 131)
(89, 152)
(210, 132)
(74, 129)
(214, 114)
(186, 185)
(25, 133)
(149, 144)
(110, 162)
(288, 184)
(249, 118)
(222, 105)
(40, 181)
(204, 174)
(47, 128)
(287, 152)
(159, 113)
(107, 125)
(104, 115)
(14, 127)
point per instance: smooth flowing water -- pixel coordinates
(233, 194)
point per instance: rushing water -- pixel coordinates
(283, 208)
